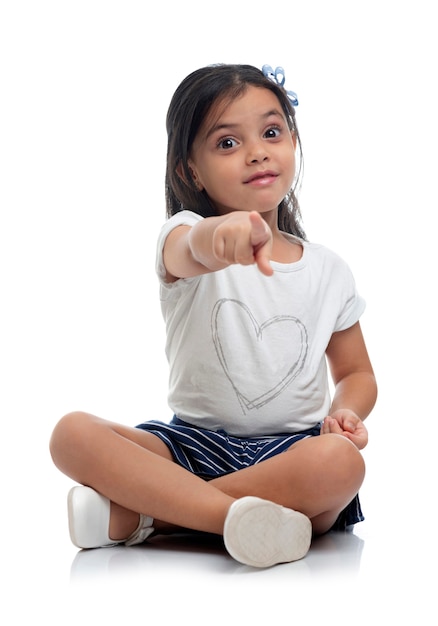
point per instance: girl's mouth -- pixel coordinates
(264, 177)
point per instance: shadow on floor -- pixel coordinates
(203, 554)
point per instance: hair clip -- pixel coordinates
(278, 76)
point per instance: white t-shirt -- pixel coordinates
(247, 351)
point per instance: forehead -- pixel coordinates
(253, 103)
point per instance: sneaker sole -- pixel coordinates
(261, 533)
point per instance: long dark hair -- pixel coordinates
(189, 106)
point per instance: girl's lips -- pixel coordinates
(261, 178)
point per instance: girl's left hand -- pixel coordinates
(347, 423)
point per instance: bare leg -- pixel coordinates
(317, 476)
(133, 469)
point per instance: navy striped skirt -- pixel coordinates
(210, 454)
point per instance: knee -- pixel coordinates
(347, 459)
(70, 432)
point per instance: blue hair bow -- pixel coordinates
(278, 76)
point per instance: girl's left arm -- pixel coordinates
(355, 385)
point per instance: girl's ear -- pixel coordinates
(182, 175)
(180, 172)
(194, 175)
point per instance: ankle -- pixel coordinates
(122, 522)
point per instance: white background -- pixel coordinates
(85, 87)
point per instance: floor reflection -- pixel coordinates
(185, 554)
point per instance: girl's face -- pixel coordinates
(244, 154)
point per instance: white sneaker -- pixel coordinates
(261, 533)
(89, 517)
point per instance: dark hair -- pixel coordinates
(188, 109)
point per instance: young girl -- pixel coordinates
(256, 451)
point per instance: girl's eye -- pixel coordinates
(226, 143)
(272, 132)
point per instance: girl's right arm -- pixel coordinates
(216, 242)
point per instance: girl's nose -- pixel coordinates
(257, 153)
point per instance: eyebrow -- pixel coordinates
(218, 127)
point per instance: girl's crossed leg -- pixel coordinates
(134, 469)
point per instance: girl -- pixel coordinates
(256, 451)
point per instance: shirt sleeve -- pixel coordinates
(353, 305)
(182, 218)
